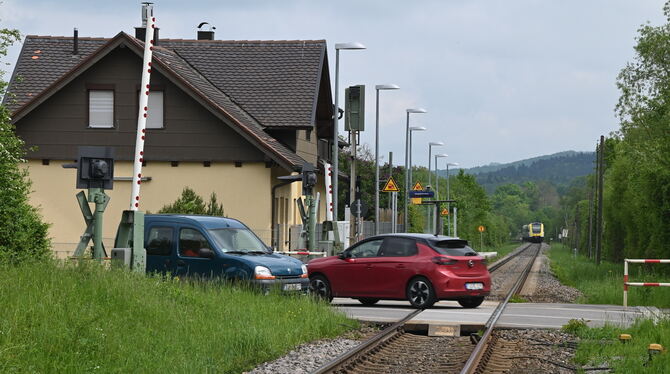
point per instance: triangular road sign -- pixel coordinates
(391, 186)
(417, 187)
(445, 212)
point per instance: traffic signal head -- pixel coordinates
(308, 179)
(95, 168)
(354, 108)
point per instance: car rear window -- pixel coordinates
(453, 248)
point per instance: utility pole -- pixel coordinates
(599, 225)
(590, 222)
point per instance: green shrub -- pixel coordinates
(191, 203)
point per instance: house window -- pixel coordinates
(101, 108)
(155, 114)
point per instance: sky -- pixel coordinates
(502, 80)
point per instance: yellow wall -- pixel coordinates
(244, 191)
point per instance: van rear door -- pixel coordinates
(159, 242)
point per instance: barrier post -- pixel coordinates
(626, 283)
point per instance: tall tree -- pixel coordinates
(23, 235)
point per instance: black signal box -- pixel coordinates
(95, 167)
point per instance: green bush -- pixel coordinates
(191, 203)
(23, 234)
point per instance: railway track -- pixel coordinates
(395, 351)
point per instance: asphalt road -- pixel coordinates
(520, 315)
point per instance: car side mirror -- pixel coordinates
(344, 255)
(206, 253)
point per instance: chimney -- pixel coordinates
(141, 32)
(206, 35)
(75, 41)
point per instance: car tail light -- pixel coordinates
(444, 260)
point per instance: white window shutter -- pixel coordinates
(155, 113)
(101, 108)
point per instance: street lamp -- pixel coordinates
(448, 197)
(411, 110)
(338, 46)
(377, 89)
(437, 176)
(408, 171)
(430, 174)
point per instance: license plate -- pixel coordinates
(474, 286)
(292, 287)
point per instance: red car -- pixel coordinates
(420, 268)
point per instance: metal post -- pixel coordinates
(377, 163)
(590, 221)
(456, 222)
(353, 140)
(599, 226)
(98, 196)
(448, 204)
(335, 135)
(625, 280)
(430, 173)
(405, 220)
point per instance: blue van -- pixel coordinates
(190, 245)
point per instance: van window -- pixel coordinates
(237, 240)
(159, 242)
(190, 242)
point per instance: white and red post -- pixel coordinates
(626, 283)
(144, 108)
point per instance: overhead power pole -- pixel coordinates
(599, 225)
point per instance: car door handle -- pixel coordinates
(400, 266)
(369, 267)
(181, 263)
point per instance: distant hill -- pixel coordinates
(558, 169)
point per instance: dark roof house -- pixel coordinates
(264, 91)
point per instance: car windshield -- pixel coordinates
(238, 241)
(453, 248)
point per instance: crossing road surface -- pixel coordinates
(521, 315)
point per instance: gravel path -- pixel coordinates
(548, 288)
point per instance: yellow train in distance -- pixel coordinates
(533, 232)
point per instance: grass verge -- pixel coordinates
(502, 251)
(86, 319)
(601, 347)
(603, 284)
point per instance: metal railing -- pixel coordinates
(626, 283)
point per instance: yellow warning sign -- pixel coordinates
(391, 186)
(481, 228)
(417, 187)
(444, 212)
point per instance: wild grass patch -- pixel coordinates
(85, 319)
(603, 284)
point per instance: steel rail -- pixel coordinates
(351, 356)
(473, 361)
(507, 258)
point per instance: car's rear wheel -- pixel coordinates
(368, 301)
(420, 293)
(471, 302)
(320, 287)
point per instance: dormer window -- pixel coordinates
(101, 109)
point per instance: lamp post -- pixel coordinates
(448, 197)
(411, 110)
(338, 46)
(430, 174)
(437, 176)
(377, 89)
(408, 172)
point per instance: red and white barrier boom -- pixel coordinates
(626, 283)
(144, 105)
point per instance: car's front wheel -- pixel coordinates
(471, 302)
(420, 293)
(368, 301)
(320, 287)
